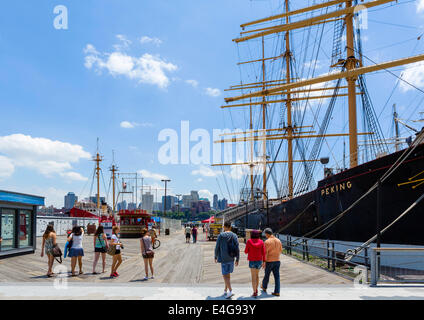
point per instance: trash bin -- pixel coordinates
(166, 232)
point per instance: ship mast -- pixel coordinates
(285, 87)
(289, 108)
(113, 169)
(264, 122)
(98, 159)
(351, 83)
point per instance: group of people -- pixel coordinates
(191, 231)
(260, 254)
(74, 249)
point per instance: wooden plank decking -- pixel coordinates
(175, 263)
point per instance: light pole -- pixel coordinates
(178, 203)
(166, 181)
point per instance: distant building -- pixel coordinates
(121, 205)
(70, 200)
(170, 202)
(187, 200)
(94, 199)
(222, 204)
(215, 202)
(157, 206)
(132, 206)
(194, 196)
(147, 201)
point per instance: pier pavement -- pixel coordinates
(182, 271)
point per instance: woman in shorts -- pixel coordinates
(100, 247)
(76, 252)
(117, 257)
(146, 248)
(255, 250)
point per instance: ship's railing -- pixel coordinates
(329, 254)
(406, 265)
(234, 213)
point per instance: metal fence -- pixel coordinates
(397, 265)
(331, 251)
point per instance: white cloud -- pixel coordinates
(130, 125)
(193, 83)
(213, 92)
(150, 175)
(205, 194)
(420, 6)
(148, 68)
(124, 44)
(205, 172)
(46, 156)
(6, 168)
(146, 39)
(127, 125)
(414, 74)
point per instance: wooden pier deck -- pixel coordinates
(175, 262)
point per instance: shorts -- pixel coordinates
(255, 264)
(227, 267)
(76, 252)
(188, 235)
(117, 251)
(101, 250)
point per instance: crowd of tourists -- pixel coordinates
(101, 246)
(260, 254)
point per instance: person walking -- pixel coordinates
(117, 257)
(76, 252)
(187, 233)
(194, 233)
(49, 241)
(273, 249)
(255, 250)
(146, 248)
(100, 247)
(226, 251)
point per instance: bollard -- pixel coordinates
(307, 250)
(373, 268)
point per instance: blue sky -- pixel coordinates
(125, 70)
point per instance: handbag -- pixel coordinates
(57, 253)
(147, 253)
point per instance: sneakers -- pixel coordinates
(263, 289)
(145, 278)
(229, 294)
(275, 294)
(152, 277)
(255, 294)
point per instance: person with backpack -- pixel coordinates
(49, 242)
(226, 251)
(76, 251)
(100, 247)
(273, 249)
(255, 250)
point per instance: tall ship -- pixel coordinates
(318, 163)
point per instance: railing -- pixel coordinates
(331, 253)
(406, 265)
(232, 214)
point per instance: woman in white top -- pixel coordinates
(76, 251)
(117, 258)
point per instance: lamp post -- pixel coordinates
(178, 203)
(267, 210)
(166, 181)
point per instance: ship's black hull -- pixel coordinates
(336, 193)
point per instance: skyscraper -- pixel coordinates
(70, 200)
(147, 201)
(215, 202)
